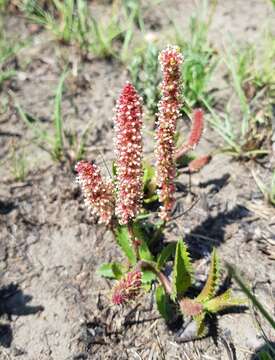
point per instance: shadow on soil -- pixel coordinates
(14, 302)
(211, 232)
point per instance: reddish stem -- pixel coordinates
(165, 282)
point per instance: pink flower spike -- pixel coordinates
(128, 151)
(127, 288)
(98, 193)
(168, 114)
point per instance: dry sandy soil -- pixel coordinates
(53, 305)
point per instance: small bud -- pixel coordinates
(127, 288)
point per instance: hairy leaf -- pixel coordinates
(123, 240)
(182, 271)
(213, 279)
(164, 305)
(222, 302)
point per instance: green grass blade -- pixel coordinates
(249, 294)
(42, 135)
(58, 121)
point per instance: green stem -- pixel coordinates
(134, 240)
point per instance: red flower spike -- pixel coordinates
(128, 150)
(194, 135)
(168, 114)
(97, 192)
(197, 164)
(196, 130)
(127, 288)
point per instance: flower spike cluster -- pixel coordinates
(128, 151)
(127, 288)
(98, 193)
(168, 113)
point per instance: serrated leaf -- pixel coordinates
(164, 305)
(201, 326)
(212, 282)
(222, 302)
(123, 240)
(111, 270)
(165, 254)
(182, 271)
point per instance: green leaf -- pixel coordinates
(148, 173)
(141, 235)
(111, 270)
(201, 327)
(165, 254)
(143, 216)
(149, 184)
(222, 302)
(151, 199)
(123, 240)
(213, 279)
(147, 277)
(114, 169)
(182, 271)
(164, 305)
(264, 355)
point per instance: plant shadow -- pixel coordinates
(13, 302)
(211, 232)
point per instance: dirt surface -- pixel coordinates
(53, 303)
